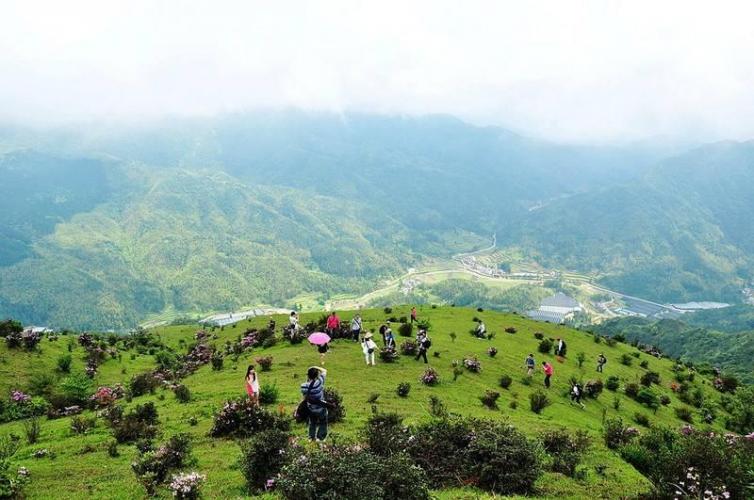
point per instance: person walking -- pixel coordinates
(389, 341)
(601, 360)
(322, 349)
(252, 384)
(560, 350)
(356, 327)
(413, 315)
(547, 368)
(313, 391)
(576, 392)
(530, 365)
(368, 347)
(424, 344)
(333, 324)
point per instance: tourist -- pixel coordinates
(368, 346)
(560, 349)
(293, 320)
(422, 339)
(389, 341)
(333, 325)
(413, 315)
(576, 393)
(356, 327)
(322, 349)
(252, 384)
(547, 368)
(601, 360)
(383, 331)
(313, 391)
(530, 365)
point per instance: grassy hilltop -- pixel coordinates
(81, 466)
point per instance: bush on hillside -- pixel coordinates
(489, 399)
(242, 418)
(632, 390)
(139, 423)
(612, 383)
(649, 378)
(626, 359)
(64, 363)
(405, 330)
(505, 381)
(403, 389)
(153, 466)
(565, 450)
(409, 348)
(338, 411)
(385, 434)
(545, 346)
(685, 414)
(538, 401)
(182, 393)
(263, 456)
(269, 394)
(616, 434)
(648, 398)
(143, 383)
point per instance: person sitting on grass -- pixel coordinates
(368, 347)
(313, 391)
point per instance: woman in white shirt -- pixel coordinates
(252, 384)
(369, 347)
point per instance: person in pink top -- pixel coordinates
(333, 324)
(547, 368)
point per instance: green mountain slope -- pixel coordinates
(90, 471)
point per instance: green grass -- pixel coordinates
(75, 474)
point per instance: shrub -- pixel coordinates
(538, 401)
(492, 352)
(581, 357)
(139, 423)
(513, 405)
(64, 363)
(648, 398)
(649, 378)
(385, 434)
(632, 390)
(685, 414)
(505, 381)
(388, 310)
(616, 434)
(644, 364)
(187, 486)
(472, 364)
(405, 330)
(490, 399)
(565, 449)
(545, 346)
(694, 398)
(143, 383)
(264, 362)
(81, 424)
(539, 335)
(243, 418)
(182, 393)
(510, 329)
(430, 377)
(641, 419)
(664, 400)
(337, 412)
(76, 389)
(403, 389)
(373, 476)
(612, 383)
(217, 360)
(626, 359)
(437, 408)
(153, 466)
(32, 430)
(388, 355)
(269, 394)
(424, 324)
(611, 342)
(262, 457)
(11, 483)
(409, 348)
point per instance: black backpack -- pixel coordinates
(427, 343)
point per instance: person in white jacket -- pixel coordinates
(369, 347)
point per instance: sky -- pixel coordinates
(574, 71)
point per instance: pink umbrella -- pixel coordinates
(319, 338)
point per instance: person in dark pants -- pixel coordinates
(576, 393)
(423, 340)
(547, 368)
(313, 391)
(413, 315)
(601, 360)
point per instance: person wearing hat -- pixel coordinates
(368, 347)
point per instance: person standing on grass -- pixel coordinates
(389, 341)
(322, 349)
(413, 315)
(560, 350)
(333, 324)
(313, 391)
(576, 393)
(423, 343)
(252, 384)
(368, 347)
(601, 360)
(547, 368)
(530, 365)
(356, 327)
(293, 320)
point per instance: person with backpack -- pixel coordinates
(293, 320)
(576, 392)
(424, 344)
(547, 368)
(530, 365)
(356, 327)
(368, 347)
(313, 391)
(601, 360)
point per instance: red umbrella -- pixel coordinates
(319, 338)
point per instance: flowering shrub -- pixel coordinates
(139, 423)
(388, 355)
(264, 362)
(472, 364)
(11, 483)
(403, 389)
(409, 348)
(616, 434)
(492, 352)
(593, 388)
(19, 397)
(26, 339)
(82, 425)
(565, 449)
(217, 361)
(263, 455)
(106, 396)
(186, 486)
(490, 399)
(242, 418)
(337, 412)
(153, 466)
(430, 377)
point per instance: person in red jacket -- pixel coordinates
(413, 314)
(547, 368)
(333, 324)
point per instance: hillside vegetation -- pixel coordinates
(96, 466)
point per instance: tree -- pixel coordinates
(9, 326)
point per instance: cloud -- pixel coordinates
(577, 71)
